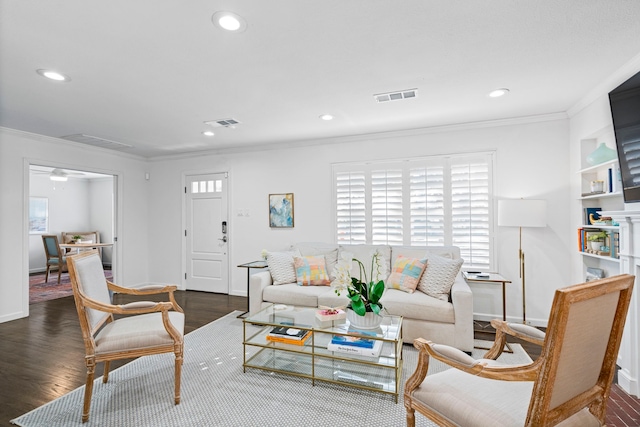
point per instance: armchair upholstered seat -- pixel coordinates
(568, 385)
(142, 327)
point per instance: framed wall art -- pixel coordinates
(281, 210)
(38, 215)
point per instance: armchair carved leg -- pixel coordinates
(105, 375)
(179, 361)
(415, 380)
(88, 389)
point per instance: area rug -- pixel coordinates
(39, 290)
(216, 392)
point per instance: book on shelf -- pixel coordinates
(588, 212)
(285, 340)
(615, 245)
(288, 333)
(614, 179)
(352, 341)
(355, 350)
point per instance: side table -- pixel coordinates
(490, 278)
(249, 265)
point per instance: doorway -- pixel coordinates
(206, 233)
(66, 202)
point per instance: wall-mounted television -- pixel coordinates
(625, 111)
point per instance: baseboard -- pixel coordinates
(628, 384)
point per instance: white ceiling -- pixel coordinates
(148, 73)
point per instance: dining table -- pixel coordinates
(84, 246)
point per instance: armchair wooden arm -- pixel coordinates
(460, 360)
(148, 290)
(131, 308)
(518, 330)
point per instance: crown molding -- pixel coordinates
(369, 136)
(606, 86)
(60, 141)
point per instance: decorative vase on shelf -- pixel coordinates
(601, 154)
(369, 321)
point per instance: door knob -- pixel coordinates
(224, 239)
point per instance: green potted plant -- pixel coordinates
(77, 238)
(597, 239)
(364, 292)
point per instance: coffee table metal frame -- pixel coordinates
(313, 360)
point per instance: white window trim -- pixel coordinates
(367, 167)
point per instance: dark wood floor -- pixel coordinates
(43, 355)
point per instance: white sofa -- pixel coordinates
(445, 322)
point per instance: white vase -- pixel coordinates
(370, 320)
(595, 246)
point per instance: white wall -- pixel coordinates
(101, 208)
(17, 149)
(532, 159)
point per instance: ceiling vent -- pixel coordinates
(227, 123)
(96, 141)
(396, 96)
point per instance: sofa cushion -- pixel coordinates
(330, 299)
(439, 276)
(364, 254)
(329, 251)
(417, 305)
(311, 271)
(406, 273)
(292, 294)
(281, 266)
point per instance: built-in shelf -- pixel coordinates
(597, 167)
(601, 195)
(607, 258)
(603, 227)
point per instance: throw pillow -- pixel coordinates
(311, 271)
(281, 267)
(406, 273)
(439, 276)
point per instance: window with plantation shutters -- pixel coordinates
(430, 201)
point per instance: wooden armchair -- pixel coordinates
(148, 327)
(55, 256)
(568, 385)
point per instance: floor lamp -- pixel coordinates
(522, 213)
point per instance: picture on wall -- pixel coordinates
(281, 210)
(38, 215)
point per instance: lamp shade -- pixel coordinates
(522, 213)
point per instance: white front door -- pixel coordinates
(206, 233)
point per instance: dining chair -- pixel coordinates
(141, 328)
(55, 256)
(567, 385)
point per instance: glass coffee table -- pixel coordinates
(312, 359)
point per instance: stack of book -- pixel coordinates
(360, 346)
(288, 335)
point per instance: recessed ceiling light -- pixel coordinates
(208, 133)
(498, 93)
(229, 21)
(53, 75)
(326, 117)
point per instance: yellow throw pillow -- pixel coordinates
(311, 271)
(406, 273)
